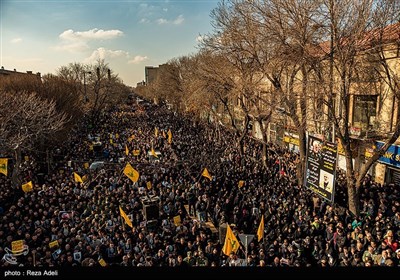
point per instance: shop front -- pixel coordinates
(292, 142)
(391, 162)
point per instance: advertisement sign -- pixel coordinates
(392, 155)
(321, 167)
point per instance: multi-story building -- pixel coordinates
(373, 107)
(4, 73)
(151, 73)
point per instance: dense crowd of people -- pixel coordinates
(65, 223)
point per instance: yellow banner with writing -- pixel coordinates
(17, 246)
(291, 140)
(53, 243)
(102, 262)
(177, 220)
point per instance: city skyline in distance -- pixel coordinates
(41, 36)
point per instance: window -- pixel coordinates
(364, 113)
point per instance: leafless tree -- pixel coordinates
(288, 29)
(359, 36)
(25, 119)
(96, 83)
(236, 36)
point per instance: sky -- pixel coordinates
(43, 35)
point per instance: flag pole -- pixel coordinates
(247, 263)
(121, 218)
(86, 185)
(120, 174)
(198, 179)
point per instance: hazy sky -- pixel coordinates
(42, 35)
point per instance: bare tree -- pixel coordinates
(288, 30)
(17, 82)
(65, 93)
(236, 36)
(360, 35)
(315, 54)
(96, 83)
(25, 119)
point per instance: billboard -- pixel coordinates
(392, 155)
(321, 167)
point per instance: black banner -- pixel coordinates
(321, 167)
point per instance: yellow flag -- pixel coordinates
(156, 131)
(3, 165)
(149, 186)
(241, 184)
(206, 174)
(126, 218)
(84, 178)
(111, 141)
(126, 150)
(102, 262)
(131, 173)
(28, 187)
(260, 231)
(131, 138)
(86, 165)
(169, 136)
(136, 152)
(231, 243)
(77, 178)
(163, 134)
(153, 153)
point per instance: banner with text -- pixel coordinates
(321, 167)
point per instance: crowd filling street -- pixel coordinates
(66, 223)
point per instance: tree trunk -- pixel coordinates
(353, 192)
(243, 134)
(241, 146)
(264, 154)
(264, 143)
(301, 165)
(353, 186)
(15, 174)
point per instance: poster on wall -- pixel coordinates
(321, 167)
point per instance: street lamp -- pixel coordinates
(84, 83)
